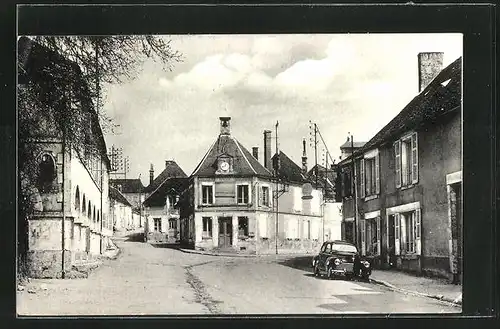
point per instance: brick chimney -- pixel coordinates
(255, 152)
(151, 174)
(267, 150)
(429, 66)
(304, 157)
(225, 125)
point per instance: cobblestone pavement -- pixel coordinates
(149, 280)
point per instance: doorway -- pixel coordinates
(391, 242)
(225, 232)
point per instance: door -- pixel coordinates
(225, 232)
(391, 240)
(323, 256)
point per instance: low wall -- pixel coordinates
(48, 263)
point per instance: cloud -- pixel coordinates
(345, 83)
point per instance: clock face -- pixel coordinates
(224, 166)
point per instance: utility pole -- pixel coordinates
(316, 153)
(354, 192)
(276, 175)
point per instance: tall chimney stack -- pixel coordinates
(255, 152)
(151, 174)
(267, 150)
(304, 157)
(429, 66)
(225, 125)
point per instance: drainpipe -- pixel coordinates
(63, 229)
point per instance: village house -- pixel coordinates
(71, 224)
(230, 201)
(162, 220)
(407, 203)
(133, 190)
(120, 210)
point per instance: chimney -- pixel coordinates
(225, 125)
(267, 150)
(255, 152)
(304, 157)
(151, 174)
(429, 66)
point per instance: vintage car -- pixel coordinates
(340, 258)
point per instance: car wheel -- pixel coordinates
(316, 270)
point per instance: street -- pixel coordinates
(150, 280)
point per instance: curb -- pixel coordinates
(199, 252)
(416, 293)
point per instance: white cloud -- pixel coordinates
(345, 83)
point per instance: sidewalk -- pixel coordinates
(235, 254)
(417, 285)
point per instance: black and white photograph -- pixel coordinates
(239, 174)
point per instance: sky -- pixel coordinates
(345, 83)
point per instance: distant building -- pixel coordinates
(161, 205)
(120, 210)
(407, 213)
(229, 203)
(349, 147)
(133, 190)
(72, 179)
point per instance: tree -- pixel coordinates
(59, 79)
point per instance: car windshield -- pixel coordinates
(343, 248)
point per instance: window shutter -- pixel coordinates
(363, 235)
(270, 196)
(378, 235)
(362, 178)
(260, 195)
(414, 158)
(397, 157)
(418, 233)
(397, 234)
(377, 174)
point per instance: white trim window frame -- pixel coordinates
(265, 195)
(248, 194)
(373, 220)
(408, 240)
(205, 199)
(207, 227)
(406, 160)
(370, 175)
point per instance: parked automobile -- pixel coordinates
(340, 258)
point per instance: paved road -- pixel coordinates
(152, 281)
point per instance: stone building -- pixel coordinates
(406, 211)
(71, 223)
(230, 201)
(162, 221)
(120, 210)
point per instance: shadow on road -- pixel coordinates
(175, 246)
(302, 263)
(135, 237)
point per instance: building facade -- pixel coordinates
(71, 223)
(120, 211)
(162, 213)
(133, 190)
(232, 201)
(402, 206)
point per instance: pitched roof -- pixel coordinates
(172, 170)
(128, 185)
(442, 96)
(347, 145)
(289, 170)
(174, 184)
(244, 164)
(117, 196)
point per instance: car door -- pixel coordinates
(324, 255)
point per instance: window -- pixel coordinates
(172, 224)
(370, 184)
(406, 156)
(328, 248)
(157, 224)
(242, 194)
(372, 236)
(207, 192)
(242, 226)
(307, 229)
(46, 173)
(346, 182)
(207, 227)
(265, 195)
(171, 200)
(407, 228)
